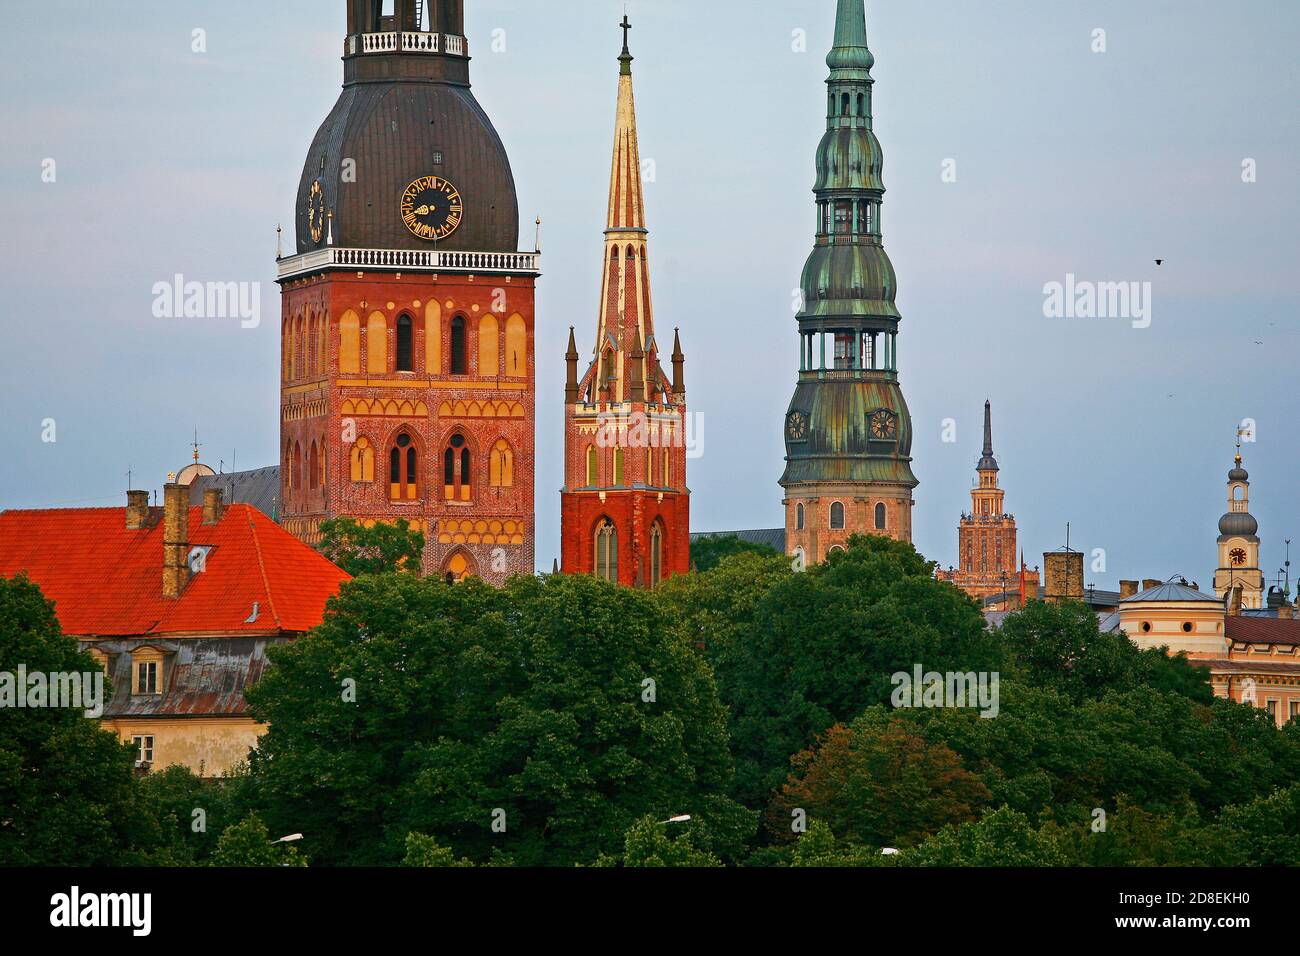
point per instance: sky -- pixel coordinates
(1178, 141)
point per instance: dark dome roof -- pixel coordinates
(392, 130)
(1239, 474)
(1238, 522)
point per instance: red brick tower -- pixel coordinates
(989, 563)
(625, 507)
(408, 376)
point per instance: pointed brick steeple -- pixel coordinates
(625, 506)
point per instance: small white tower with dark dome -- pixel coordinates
(1239, 542)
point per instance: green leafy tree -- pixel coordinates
(537, 721)
(382, 548)
(878, 782)
(67, 792)
(248, 844)
(819, 848)
(194, 811)
(425, 851)
(1267, 829)
(648, 843)
(818, 648)
(708, 553)
(1060, 646)
(1001, 837)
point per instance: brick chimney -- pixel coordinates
(176, 537)
(1127, 589)
(213, 507)
(137, 510)
(1149, 583)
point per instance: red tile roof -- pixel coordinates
(1262, 630)
(106, 580)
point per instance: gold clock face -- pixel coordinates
(884, 425)
(316, 212)
(432, 208)
(1237, 556)
(796, 426)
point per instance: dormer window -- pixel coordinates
(146, 672)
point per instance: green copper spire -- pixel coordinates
(850, 51)
(848, 428)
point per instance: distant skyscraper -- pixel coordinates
(988, 561)
(848, 433)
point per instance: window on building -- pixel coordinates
(459, 360)
(665, 472)
(618, 467)
(1272, 708)
(456, 478)
(1187, 627)
(837, 516)
(591, 466)
(405, 344)
(656, 554)
(798, 517)
(880, 516)
(403, 469)
(843, 218)
(501, 467)
(363, 461)
(377, 344)
(143, 749)
(147, 676)
(1294, 710)
(313, 466)
(606, 546)
(349, 343)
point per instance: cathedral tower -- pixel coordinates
(407, 376)
(848, 433)
(625, 508)
(1239, 543)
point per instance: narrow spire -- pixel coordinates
(679, 360)
(988, 462)
(850, 50)
(571, 360)
(626, 202)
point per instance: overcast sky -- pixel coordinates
(1068, 161)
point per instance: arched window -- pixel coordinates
(618, 467)
(665, 474)
(501, 465)
(322, 347)
(488, 346)
(844, 105)
(458, 567)
(650, 467)
(456, 478)
(363, 461)
(288, 466)
(798, 517)
(880, 516)
(350, 344)
(403, 469)
(405, 344)
(837, 516)
(656, 554)
(862, 104)
(313, 465)
(606, 551)
(297, 465)
(433, 338)
(377, 344)
(516, 346)
(459, 361)
(592, 480)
